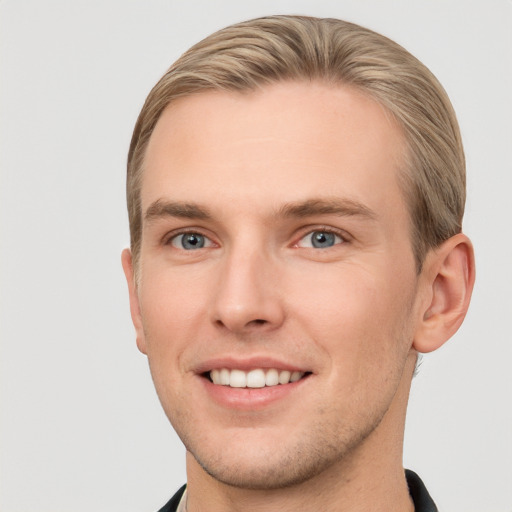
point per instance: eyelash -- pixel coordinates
(169, 237)
(309, 230)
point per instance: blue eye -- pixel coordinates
(320, 240)
(190, 241)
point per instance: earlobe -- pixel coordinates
(127, 262)
(448, 276)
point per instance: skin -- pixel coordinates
(263, 170)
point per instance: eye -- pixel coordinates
(320, 240)
(190, 241)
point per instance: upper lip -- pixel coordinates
(247, 364)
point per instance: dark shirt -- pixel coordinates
(419, 494)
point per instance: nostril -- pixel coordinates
(252, 323)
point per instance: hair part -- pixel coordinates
(255, 53)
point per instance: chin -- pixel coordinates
(256, 465)
(263, 474)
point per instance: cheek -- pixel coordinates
(170, 310)
(359, 318)
(172, 307)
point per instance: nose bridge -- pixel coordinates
(247, 295)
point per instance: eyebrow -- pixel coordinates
(342, 207)
(160, 208)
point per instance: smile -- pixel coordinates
(257, 378)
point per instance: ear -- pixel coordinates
(447, 279)
(127, 261)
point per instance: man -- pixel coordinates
(295, 190)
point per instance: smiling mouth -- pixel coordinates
(257, 378)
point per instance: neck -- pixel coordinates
(368, 479)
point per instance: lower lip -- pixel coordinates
(250, 399)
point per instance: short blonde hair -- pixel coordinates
(263, 51)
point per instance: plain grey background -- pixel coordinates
(81, 427)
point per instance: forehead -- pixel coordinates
(283, 142)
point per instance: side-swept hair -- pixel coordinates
(252, 54)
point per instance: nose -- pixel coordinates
(248, 298)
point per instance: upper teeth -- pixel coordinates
(253, 379)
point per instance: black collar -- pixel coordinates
(419, 494)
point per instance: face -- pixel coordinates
(277, 290)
